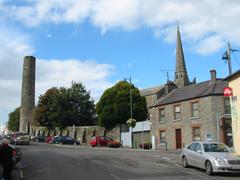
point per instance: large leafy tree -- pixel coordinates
(114, 106)
(13, 120)
(66, 107)
(46, 110)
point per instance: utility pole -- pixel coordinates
(229, 59)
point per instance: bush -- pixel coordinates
(145, 146)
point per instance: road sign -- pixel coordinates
(228, 92)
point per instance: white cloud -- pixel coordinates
(198, 19)
(209, 45)
(58, 73)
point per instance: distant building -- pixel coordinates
(234, 81)
(184, 111)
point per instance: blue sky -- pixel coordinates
(99, 42)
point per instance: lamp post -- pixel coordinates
(131, 113)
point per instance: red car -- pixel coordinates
(104, 141)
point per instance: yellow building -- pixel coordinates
(234, 92)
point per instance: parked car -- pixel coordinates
(64, 140)
(211, 156)
(49, 139)
(41, 138)
(19, 138)
(17, 154)
(104, 141)
(145, 146)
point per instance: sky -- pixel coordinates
(100, 42)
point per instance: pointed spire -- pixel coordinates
(181, 76)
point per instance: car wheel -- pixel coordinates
(208, 167)
(184, 162)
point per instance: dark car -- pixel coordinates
(64, 140)
(41, 138)
(17, 154)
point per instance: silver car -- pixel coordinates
(211, 156)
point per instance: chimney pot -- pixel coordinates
(213, 75)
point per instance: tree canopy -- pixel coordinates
(13, 120)
(114, 105)
(62, 107)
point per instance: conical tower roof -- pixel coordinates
(181, 76)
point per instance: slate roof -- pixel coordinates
(203, 89)
(232, 75)
(151, 91)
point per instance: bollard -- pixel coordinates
(166, 145)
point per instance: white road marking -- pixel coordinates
(21, 174)
(115, 177)
(165, 158)
(162, 165)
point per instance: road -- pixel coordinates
(50, 162)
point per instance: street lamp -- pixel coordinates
(131, 113)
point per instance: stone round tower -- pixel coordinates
(28, 94)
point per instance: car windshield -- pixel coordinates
(215, 147)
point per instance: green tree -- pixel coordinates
(13, 120)
(114, 105)
(46, 110)
(66, 107)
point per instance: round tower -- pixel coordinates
(28, 94)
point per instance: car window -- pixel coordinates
(215, 147)
(192, 147)
(198, 147)
(69, 138)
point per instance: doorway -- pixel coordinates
(178, 134)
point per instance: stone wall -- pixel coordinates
(83, 134)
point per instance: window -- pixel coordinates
(161, 115)
(227, 107)
(192, 146)
(162, 136)
(177, 112)
(195, 109)
(198, 147)
(196, 134)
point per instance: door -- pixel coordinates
(178, 138)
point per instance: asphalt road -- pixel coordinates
(56, 162)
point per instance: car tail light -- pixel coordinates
(14, 152)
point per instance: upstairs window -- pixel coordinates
(195, 109)
(161, 113)
(177, 112)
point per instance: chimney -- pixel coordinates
(213, 75)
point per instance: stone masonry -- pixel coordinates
(28, 94)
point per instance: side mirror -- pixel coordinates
(199, 151)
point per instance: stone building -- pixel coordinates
(184, 111)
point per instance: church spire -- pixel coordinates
(181, 76)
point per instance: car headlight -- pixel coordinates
(220, 160)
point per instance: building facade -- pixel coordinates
(182, 111)
(234, 82)
(191, 113)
